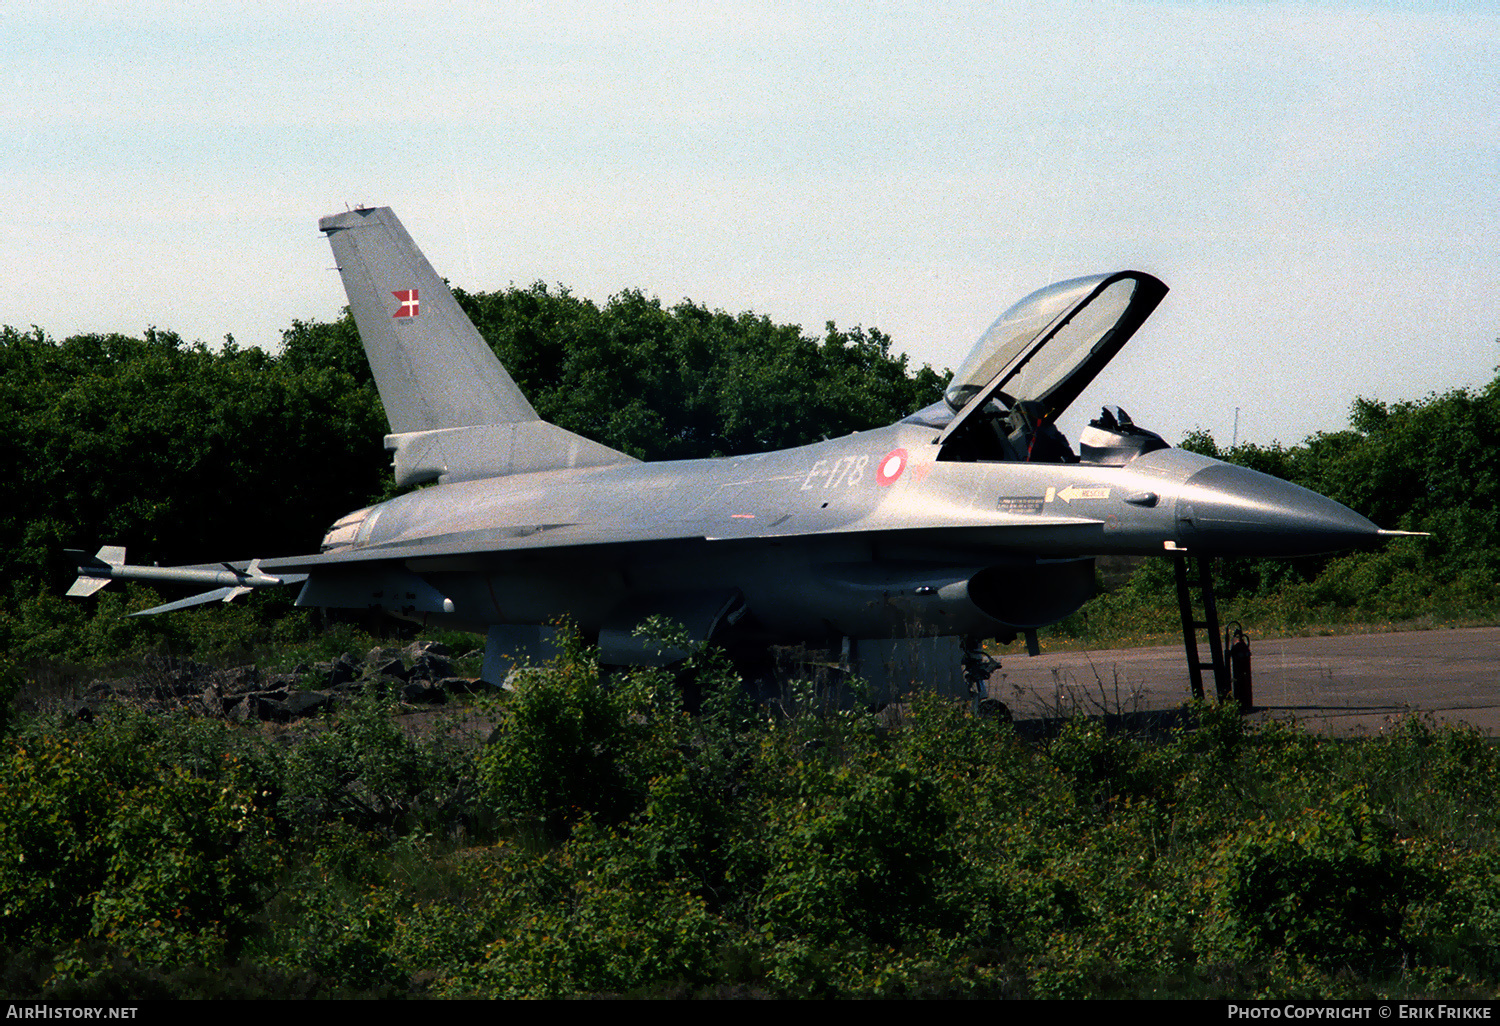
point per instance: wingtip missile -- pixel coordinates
(108, 564)
(95, 571)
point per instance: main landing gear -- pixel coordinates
(978, 668)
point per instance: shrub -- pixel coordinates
(1332, 886)
(859, 852)
(575, 742)
(364, 770)
(107, 837)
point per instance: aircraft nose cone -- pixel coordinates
(1229, 510)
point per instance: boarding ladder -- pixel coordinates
(1191, 625)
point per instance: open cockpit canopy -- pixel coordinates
(1036, 359)
(1050, 345)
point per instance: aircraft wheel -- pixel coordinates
(994, 709)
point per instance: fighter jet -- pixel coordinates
(973, 518)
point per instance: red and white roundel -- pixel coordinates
(891, 466)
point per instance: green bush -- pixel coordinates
(107, 836)
(1333, 886)
(859, 852)
(602, 929)
(746, 851)
(575, 742)
(364, 770)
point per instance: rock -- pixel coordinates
(236, 680)
(307, 703)
(431, 665)
(463, 685)
(417, 693)
(417, 649)
(272, 709)
(392, 668)
(343, 669)
(381, 654)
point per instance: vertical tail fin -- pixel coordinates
(432, 368)
(455, 413)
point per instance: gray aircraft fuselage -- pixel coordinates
(865, 536)
(973, 517)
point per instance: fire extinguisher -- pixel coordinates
(1239, 667)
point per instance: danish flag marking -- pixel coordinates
(409, 304)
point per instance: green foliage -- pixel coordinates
(686, 382)
(228, 444)
(46, 626)
(1331, 885)
(11, 680)
(859, 852)
(115, 831)
(1103, 765)
(575, 742)
(339, 930)
(311, 347)
(741, 852)
(365, 771)
(600, 929)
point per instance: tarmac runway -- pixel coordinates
(1348, 684)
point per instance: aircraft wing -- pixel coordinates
(494, 547)
(994, 530)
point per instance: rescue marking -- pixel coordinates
(1072, 492)
(891, 466)
(409, 303)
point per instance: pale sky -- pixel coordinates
(1318, 183)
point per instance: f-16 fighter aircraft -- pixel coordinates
(973, 518)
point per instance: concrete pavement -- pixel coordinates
(1345, 684)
